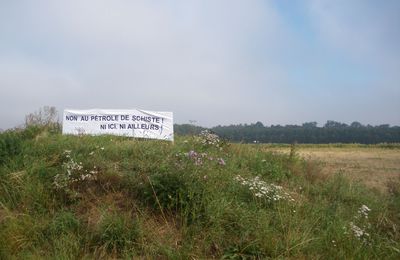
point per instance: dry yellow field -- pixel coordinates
(373, 166)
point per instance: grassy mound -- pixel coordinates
(112, 197)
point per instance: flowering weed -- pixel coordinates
(199, 159)
(207, 139)
(361, 225)
(261, 189)
(73, 174)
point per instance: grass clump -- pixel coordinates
(116, 234)
(114, 197)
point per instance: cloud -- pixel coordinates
(217, 62)
(27, 86)
(361, 39)
(196, 58)
(367, 31)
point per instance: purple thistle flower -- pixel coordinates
(221, 161)
(192, 154)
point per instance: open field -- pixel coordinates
(374, 166)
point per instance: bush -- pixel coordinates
(46, 116)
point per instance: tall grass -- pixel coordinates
(74, 197)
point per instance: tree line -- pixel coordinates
(308, 133)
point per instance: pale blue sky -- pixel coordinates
(216, 62)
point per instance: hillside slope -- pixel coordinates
(112, 197)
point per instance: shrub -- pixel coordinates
(46, 116)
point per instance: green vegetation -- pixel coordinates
(68, 197)
(307, 133)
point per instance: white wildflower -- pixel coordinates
(262, 189)
(359, 230)
(208, 138)
(363, 211)
(73, 173)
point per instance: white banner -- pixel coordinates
(129, 122)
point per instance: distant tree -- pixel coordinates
(309, 132)
(333, 124)
(258, 124)
(310, 124)
(356, 124)
(187, 129)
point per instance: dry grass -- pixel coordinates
(373, 166)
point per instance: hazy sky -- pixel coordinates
(216, 62)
